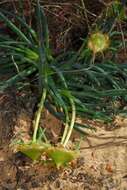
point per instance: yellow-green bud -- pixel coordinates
(98, 42)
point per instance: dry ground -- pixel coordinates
(101, 164)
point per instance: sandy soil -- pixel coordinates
(101, 164)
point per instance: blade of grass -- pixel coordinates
(14, 28)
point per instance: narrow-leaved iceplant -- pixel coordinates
(34, 149)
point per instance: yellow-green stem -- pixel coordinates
(38, 114)
(70, 128)
(65, 133)
(66, 126)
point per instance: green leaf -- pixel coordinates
(13, 80)
(14, 28)
(22, 23)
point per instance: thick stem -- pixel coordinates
(66, 125)
(65, 129)
(38, 115)
(71, 124)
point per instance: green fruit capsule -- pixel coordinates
(61, 156)
(33, 150)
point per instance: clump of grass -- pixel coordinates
(68, 85)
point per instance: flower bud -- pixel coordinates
(98, 42)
